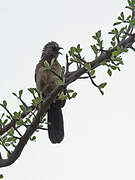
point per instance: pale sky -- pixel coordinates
(99, 141)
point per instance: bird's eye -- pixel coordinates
(55, 48)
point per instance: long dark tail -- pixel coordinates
(55, 124)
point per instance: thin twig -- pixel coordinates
(18, 131)
(92, 81)
(77, 56)
(12, 118)
(67, 65)
(42, 128)
(85, 77)
(66, 91)
(23, 102)
(8, 112)
(16, 137)
(56, 74)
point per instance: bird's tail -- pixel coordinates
(55, 124)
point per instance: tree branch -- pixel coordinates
(126, 43)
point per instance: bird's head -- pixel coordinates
(51, 50)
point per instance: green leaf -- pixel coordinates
(4, 140)
(28, 120)
(33, 138)
(11, 132)
(94, 37)
(76, 60)
(113, 67)
(72, 51)
(109, 72)
(130, 8)
(124, 50)
(44, 68)
(102, 92)
(5, 121)
(1, 123)
(118, 48)
(42, 119)
(74, 95)
(115, 53)
(98, 34)
(5, 103)
(14, 94)
(20, 93)
(103, 63)
(113, 43)
(87, 67)
(113, 38)
(2, 115)
(20, 122)
(79, 49)
(95, 49)
(78, 46)
(122, 16)
(70, 91)
(79, 61)
(119, 18)
(132, 2)
(10, 139)
(63, 96)
(129, 17)
(101, 86)
(100, 43)
(7, 144)
(8, 117)
(31, 90)
(36, 101)
(116, 23)
(46, 64)
(92, 72)
(61, 82)
(122, 30)
(129, 2)
(63, 69)
(1, 176)
(13, 144)
(23, 108)
(132, 22)
(116, 58)
(16, 115)
(115, 31)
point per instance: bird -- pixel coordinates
(45, 83)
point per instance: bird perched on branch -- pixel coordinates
(46, 82)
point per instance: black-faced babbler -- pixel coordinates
(46, 82)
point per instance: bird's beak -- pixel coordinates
(59, 49)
